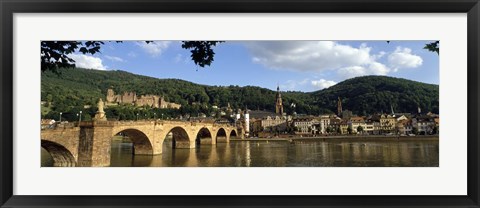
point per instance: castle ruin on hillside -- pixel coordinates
(153, 101)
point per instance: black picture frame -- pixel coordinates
(10, 7)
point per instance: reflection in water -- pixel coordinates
(285, 154)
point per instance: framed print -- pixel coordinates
(246, 104)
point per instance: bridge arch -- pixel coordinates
(222, 135)
(141, 143)
(203, 136)
(233, 134)
(180, 137)
(62, 157)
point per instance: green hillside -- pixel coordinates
(73, 88)
(376, 94)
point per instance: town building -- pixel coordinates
(374, 120)
(324, 123)
(242, 118)
(387, 123)
(335, 125)
(357, 123)
(306, 125)
(369, 127)
(437, 124)
(424, 124)
(274, 124)
(344, 127)
(404, 127)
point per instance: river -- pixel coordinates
(304, 153)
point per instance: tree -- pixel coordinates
(54, 54)
(360, 129)
(349, 130)
(435, 130)
(339, 130)
(414, 130)
(49, 100)
(433, 47)
(202, 52)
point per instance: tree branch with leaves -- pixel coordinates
(55, 54)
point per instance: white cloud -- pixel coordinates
(377, 68)
(87, 62)
(379, 55)
(403, 58)
(352, 71)
(155, 48)
(114, 58)
(308, 55)
(322, 83)
(374, 68)
(318, 56)
(306, 84)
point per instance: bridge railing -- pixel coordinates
(141, 122)
(56, 126)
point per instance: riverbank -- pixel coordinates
(349, 138)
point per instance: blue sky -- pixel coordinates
(294, 65)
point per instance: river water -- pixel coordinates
(336, 153)
(286, 154)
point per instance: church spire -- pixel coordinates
(278, 102)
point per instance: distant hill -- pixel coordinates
(78, 87)
(376, 94)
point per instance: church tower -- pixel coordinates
(246, 116)
(339, 107)
(278, 102)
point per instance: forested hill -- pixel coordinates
(376, 94)
(77, 87)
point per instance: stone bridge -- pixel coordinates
(89, 143)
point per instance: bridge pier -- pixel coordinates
(205, 141)
(139, 149)
(221, 139)
(184, 145)
(95, 146)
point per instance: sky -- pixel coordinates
(292, 65)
